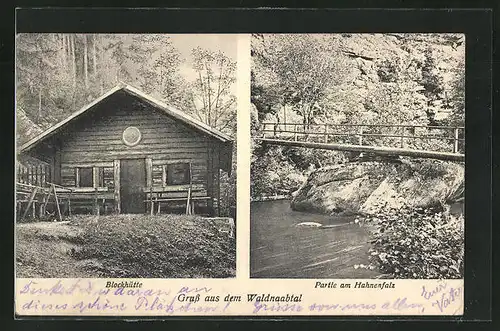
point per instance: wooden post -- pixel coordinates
(35, 176)
(30, 201)
(47, 175)
(35, 182)
(95, 177)
(188, 202)
(41, 204)
(69, 202)
(455, 145)
(295, 132)
(326, 133)
(96, 202)
(77, 177)
(48, 198)
(210, 178)
(116, 179)
(40, 175)
(57, 203)
(149, 172)
(149, 182)
(151, 199)
(360, 136)
(164, 175)
(218, 183)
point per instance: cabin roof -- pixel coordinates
(169, 110)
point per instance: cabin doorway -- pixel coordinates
(132, 184)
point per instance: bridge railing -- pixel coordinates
(417, 137)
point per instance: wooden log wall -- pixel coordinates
(97, 141)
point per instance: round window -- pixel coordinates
(131, 136)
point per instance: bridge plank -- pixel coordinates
(368, 149)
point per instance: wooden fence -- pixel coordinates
(36, 175)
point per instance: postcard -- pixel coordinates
(163, 174)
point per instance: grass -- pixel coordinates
(142, 246)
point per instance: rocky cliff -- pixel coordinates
(369, 187)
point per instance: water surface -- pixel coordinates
(280, 249)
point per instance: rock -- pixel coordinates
(309, 225)
(222, 224)
(369, 187)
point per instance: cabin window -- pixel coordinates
(178, 174)
(131, 136)
(85, 177)
(94, 177)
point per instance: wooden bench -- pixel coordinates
(88, 198)
(28, 197)
(188, 194)
(39, 196)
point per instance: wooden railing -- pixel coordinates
(37, 175)
(418, 137)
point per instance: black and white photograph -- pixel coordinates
(358, 156)
(126, 161)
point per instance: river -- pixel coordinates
(280, 249)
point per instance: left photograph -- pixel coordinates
(125, 155)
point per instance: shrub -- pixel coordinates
(418, 243)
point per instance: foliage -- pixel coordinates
(306, 158)
(393, 78)
(211, 98)
(418, 243)
(273, 174)
(57, 74)
(297, 70)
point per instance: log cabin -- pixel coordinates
(130, 153)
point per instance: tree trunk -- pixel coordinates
(39, 103)
(73, 57)
(63, 46)
(85, 61)
(94, 48)
(209, 94)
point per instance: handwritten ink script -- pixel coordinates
(443, 296)
(174, 297)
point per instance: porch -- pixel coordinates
(37, 197)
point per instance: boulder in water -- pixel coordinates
(371, 187)
(309, 225)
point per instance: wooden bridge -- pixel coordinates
(435, 142)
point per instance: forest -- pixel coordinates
(394, 78)
(57, 74)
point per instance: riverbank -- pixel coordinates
(370, 188)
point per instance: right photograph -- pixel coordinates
(357, 156)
